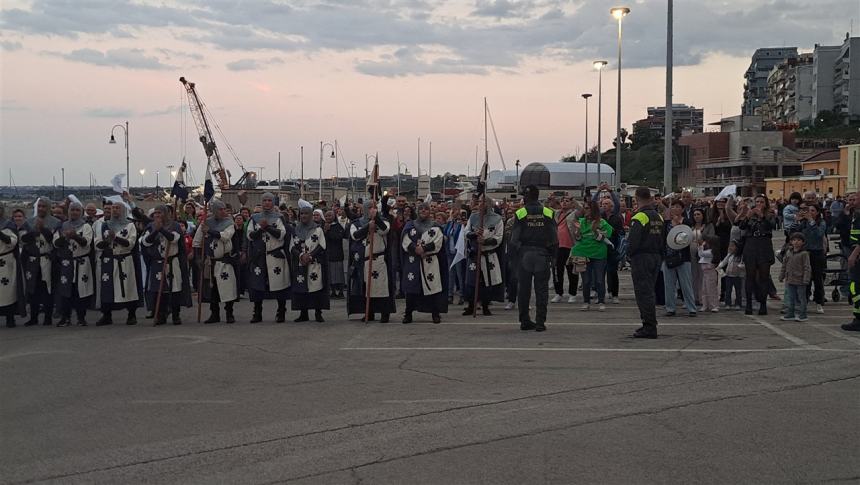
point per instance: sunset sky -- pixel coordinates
(373, 74)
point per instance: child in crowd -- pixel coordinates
(796, 272)
(733, 267)
(710, 291)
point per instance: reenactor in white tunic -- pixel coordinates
(74, 254)
(382, 286)
(424, 267)
(11, 280)
(490, 239)
(220, 283)
(37, 236)
(162, 239)
(119, 277)
(269, 276)
(310, 267)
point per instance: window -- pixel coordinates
(830, 190)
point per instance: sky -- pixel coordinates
(375, 75)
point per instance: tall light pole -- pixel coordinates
(585, 96)
(156, 179)
(142, 172)
(599, 65)
(322, 147)
(170, 173)
(113, 141)
(400, 164)
(619, 13)
(668, 118)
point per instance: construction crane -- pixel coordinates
(213, 156)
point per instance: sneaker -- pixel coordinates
(801, 319)
(786, 318)
(601, 307)
(615, 300)
(585, 307)
(703, 309)
(509, 306)
(715, 310)
(669, 314)
(556, 299)
(819, 309)
(571, 299)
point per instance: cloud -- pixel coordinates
(10, 45)
(11, 105)
(103, 112)
(124, 57)
(253, 64)
(163, 112)
(501, 8)
(478, 35)
(415, 61)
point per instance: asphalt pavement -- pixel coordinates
(720, 398)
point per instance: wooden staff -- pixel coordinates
(203, 263)
(478, 240)
(371, 231)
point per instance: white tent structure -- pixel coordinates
(565, 175)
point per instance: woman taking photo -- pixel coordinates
(811, 223)
(758, 222)
(593, 234)
(701, 230)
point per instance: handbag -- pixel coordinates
(578, 263)
(674, 260)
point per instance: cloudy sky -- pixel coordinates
(373, 74)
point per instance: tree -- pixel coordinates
(827, 118)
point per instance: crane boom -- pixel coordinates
(206, 138)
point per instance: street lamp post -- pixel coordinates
(156, 179)
(171, 173)
(113, 141)
(141, 172)
(518, 175)
(585, 96)
(668, 135)
(322, 147)
(401, 164)
(619, 13)
(599, 65)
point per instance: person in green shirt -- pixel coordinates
(593, 234)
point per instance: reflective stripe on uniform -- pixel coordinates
(855, 298)
(641, 218)
(521, 212)
(548, 212)
(854, 236)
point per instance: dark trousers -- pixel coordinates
(534, 264)
(612, 277)
(733, 284)
(644, 269)
(757, 282)
(560, 268)
(74, 302)
(512, 279)
(818, 261)
(41, 298)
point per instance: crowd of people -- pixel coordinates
(68, 257)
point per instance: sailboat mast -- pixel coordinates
(486, 149)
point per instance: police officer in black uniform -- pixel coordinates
(849, 222)
(535, 240)
(645, 246)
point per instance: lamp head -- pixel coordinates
(112, 139)
(332, 154)
(586, 95)
(142, 171)
(600, 64)
(619, 12)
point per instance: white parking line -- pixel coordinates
(595, 324)
(782, 333)
(810, 348)
(835, 333)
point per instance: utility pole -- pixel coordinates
(668, 129)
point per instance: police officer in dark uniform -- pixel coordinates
(645, 246)
(535, 240)
(850, 220)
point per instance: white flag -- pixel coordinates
(116, 183)
(460, 247)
